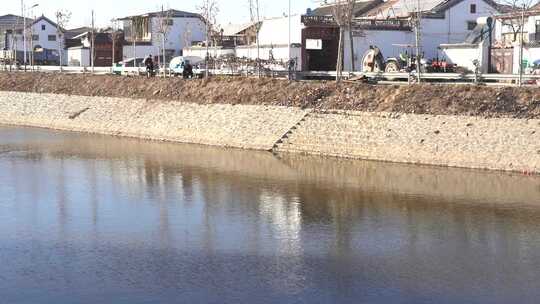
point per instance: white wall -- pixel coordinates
(180, 35)
(201, 52)
(43, 38)
(44, 34)
(464, 56)
(276, 31)
(451, 29)
(80, 55)
(141, 51)
(530, 27)
(384, 40)
(530, 54)
(280, 53)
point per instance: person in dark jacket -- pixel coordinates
(188, 70)
(149, 64)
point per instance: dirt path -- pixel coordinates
(420, 99)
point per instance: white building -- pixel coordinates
(474, 52)
(42, 36)
(182, 29)
(273, 41)
(387, 26)
(508, 38)
(504, 52)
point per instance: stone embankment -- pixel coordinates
(458, 141)
(247, 126)
(455, 141)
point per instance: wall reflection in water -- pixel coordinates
(156, 218)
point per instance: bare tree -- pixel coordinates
(62, 19)
(93, 44)
(414, 10)
(513, 20)
(14, 42)
(209, 10)
(115, 35)
(165, 22)
(254, 12)
(516, 22)
(350, 18)
(343, 12)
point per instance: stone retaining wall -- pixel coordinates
(457, 141)
(248, 127)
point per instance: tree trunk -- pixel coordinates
(353, 68)
(164, 54)
(339, 64)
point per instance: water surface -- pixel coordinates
(95, 219)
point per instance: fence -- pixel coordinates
(280, 71)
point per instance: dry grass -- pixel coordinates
(419, 99)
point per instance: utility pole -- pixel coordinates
(133, 40)
(31, 59)
(92, 44)
(32, 53)
(113, 38)
(58, 19)
(417, 36)
(207, 37)
(520, 80)
(258, 41)
(164, 32)
(14, 45)
(24, 33)
(289, 46)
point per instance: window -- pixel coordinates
(471, 25)
(473, 8)
(43, 27)
(168, 22)
(52, 37)
(35, 37)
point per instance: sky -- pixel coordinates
(231, 11)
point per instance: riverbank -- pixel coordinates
(507, 144)
(432, 99)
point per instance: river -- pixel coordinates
(97, 219)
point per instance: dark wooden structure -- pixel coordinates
(320, 28)
(502, 60)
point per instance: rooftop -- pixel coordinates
(171, 12)
(404, 8)
(235, 29)
(360, 8)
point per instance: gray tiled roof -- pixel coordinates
(173, 13)
(360, 8)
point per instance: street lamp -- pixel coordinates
(24, 13)
(289, 46)
(32, 54)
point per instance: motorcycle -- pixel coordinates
(150, 71)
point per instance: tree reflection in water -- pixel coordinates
(285, 225)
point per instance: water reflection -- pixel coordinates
(88, 215)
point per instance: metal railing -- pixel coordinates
(402, 76)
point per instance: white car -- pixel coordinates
(131, 65)
(177, 65)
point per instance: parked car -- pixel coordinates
(123, 67)
(177, 65)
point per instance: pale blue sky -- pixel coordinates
(235, 11)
